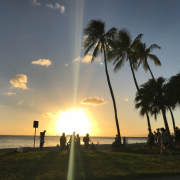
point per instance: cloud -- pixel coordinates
(47, 115)
(36, 3)
(32, 104)
(21, 102)
(86, 59)
(57, 6)
(126, 99)
(50, 6)
(66, 64)
(42, 62)
(84, 38)
(19, 81)
(93, 101)
(10, 93)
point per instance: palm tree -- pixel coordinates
(144, 53)
(174, 88)
(152, 98)
(124, 49)
(98, 38)
(173, 92)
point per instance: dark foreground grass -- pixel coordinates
(142, 149)
(49, 165)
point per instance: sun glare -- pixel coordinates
(73, 120)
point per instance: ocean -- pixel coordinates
(8, 141)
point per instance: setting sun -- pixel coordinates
(73, 120)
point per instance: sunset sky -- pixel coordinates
(44, 75)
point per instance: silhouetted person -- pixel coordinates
(124, 140)
(115, 144)
(177, 135)
(164, 142)
(86, 141)
(42, 135)
(150, 141)
(78, 145)
(63, 142)
(93, 147)
(158, 137)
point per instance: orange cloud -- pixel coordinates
(93, 101)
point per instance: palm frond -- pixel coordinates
(111, 33)
(156, 60)
(145, 66)
(89, 48)
(95, 27)
(95, 52)
(124, 37)
(154, 46)
(136, 41)
(120, 64)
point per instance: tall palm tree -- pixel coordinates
(145, 53)
(98, 38)
(124, 49)
(152, 98)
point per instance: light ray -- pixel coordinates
(78, 43)
(70, 175)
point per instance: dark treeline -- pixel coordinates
(153, 97)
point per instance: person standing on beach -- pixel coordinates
(42, 135)
(86, 141)
(164, 142)
(63, 142)
(150, 141)
(78, 145)
(158, 134)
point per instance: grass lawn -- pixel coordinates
(88, 165)
(140, 149)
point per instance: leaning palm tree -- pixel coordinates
(98, 38)
(124, 49)
(152, 98)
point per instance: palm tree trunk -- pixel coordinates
(172, 118)
(166, 123)
(112, 95)
(149, 69)
(137, 87)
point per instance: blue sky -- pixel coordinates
(53, 31)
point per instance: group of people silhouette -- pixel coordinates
(161, 140)
(64, 145)
(74, 139)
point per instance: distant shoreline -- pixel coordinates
(100, 147)
(80, 136)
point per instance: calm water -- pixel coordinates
(28, 141)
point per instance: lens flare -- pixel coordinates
(79, 8)
(70, 175)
